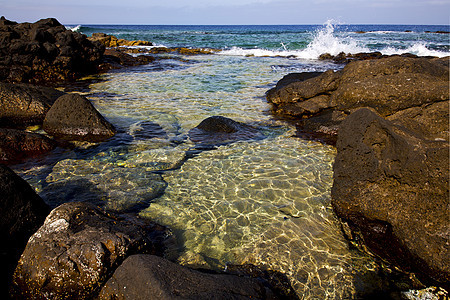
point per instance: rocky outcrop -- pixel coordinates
(221, 130)
(111, 41)
(16, 145)
(22, 212)
(182, 50)
(393, 86)
(77, 249)
(24, 104)
(45, 52)
(73, 117)
(391, 119)
(152, 277)
(117, 58)
(391, 185)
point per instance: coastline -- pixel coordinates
(119, 61)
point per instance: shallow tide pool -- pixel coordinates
(264, 201)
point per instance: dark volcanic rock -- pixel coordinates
(391, 84)
(401, 86)
(22, 212)
(45, 52)
(77, 249)
(219, 130)
(16, 145)
(152, 277)
(392, 185)
(147, 130)
(25, 104)
(117, 58)
(73, 117)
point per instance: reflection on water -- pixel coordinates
(265, 202)
(261, 201)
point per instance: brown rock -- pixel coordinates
(77, 249)
(73, 117)
(16, 145)
(22, 212)
(152, 277)
(392, 185)
(24, 104)
(111, 41)
(389, 85)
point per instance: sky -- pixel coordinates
(200, 12)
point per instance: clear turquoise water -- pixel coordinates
(263, 201)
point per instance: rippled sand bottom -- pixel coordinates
(266, 203)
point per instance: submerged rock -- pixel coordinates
(147, 130)
(77, 249)
(152, 277)
(218, 130)
(73, 117)
(22, 212)
(392, 185)
(24, 104)
(16, 145)
(106, 184)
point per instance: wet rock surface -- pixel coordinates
(391, 185)
(16, 145)
(25, 104)
(78, 248)
(106, 184)
(152, 277)
(390, 117)
(392, 85)
(45, 51)
(218, 130)
(23, 212)
(73, 117)
(118, 58)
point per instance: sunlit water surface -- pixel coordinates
(264, 201)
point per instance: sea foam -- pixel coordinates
(328, 40)
(323, 41)
(74, 28)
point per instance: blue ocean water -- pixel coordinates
(304, 41)
(263, 201)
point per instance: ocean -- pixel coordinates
(264, 201)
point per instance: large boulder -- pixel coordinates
(73, 117)
(24, 104)
(45, 51)
(16, 145)
(77, 249)
(391, 184)
(22, 212)
(152, 277)
(393, 85)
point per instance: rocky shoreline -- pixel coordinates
(387, 115)
(390, 118)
